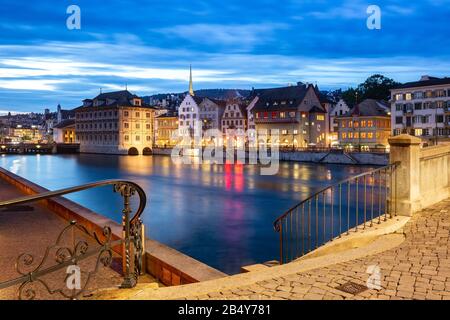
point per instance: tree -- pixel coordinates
(351, 96)
(375, 87)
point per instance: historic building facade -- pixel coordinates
(338, 110)
(295, 111)
(422, 108)
(234, 122)
(166, 130)
(366, 126)
(196, 115)
(210, 112)
(64, 132)
(115, 123)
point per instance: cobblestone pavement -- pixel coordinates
(417, 269)
(30, 230)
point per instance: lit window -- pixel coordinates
(320, 117)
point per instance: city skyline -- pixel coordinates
(149, 47)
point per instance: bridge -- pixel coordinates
(38, 148)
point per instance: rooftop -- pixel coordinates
(425, 81)
(122, 98)
(369, 107)
(282, 98)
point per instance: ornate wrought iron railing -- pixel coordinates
(132, 242)
(357, 202)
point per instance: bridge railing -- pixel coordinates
(351, 204)
(132, 242)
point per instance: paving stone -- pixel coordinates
(419, 268)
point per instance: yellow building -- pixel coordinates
(30, 134)
(115, 123)
(166, 130)
(367, 126)
(64, 132)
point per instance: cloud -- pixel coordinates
(33, 85)
(356, 9)
(241, 36)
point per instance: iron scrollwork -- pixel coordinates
(64, 255)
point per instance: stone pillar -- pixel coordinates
(405, 149)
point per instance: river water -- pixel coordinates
(221, 215)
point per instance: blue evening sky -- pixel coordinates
(231, 44)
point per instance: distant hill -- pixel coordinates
(208, 93)
(223, 93)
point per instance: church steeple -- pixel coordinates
(191, 87)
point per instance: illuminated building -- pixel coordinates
(115, 123)
(365, 126)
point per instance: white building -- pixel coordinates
(198, 114)
(338, 110)
(189, 115)
(422, 108)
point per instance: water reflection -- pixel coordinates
(219, 214)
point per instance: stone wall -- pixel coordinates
(379, 159)
(363, 158)
(434, 174)
(422, 175)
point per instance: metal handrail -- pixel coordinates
(290, 218)
(61, 192)
(326, 189)
(132, 241)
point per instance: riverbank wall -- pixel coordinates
(166, 264)
(329, 157)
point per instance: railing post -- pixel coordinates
(129, 281)
(405, 151)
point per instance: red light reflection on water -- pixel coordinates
(234, 176)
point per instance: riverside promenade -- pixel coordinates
(414, 262)
(30, 229)
(419, 268)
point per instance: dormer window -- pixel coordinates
(137, 102)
